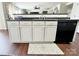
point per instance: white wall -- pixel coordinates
(75, 11)
(2, 17)
(75, 14)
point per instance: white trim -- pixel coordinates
(75, 32)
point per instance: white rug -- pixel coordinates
(50, 48)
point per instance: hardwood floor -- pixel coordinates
(72, 48)
(7, 48)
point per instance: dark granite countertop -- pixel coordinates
(45, 20)
(40, 19)
(44, 14)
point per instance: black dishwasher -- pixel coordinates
(65, 31)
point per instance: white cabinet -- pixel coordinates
(32, 31)
(38, 33)
(50, 33)
(26, 31)
(14, 31)
(14, 35)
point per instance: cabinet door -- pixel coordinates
(50, 33)
(26, 33)
(38, 33)
(14, 31)
(14, 34)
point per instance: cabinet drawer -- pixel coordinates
(13, 23)
(38, 23)
(25, 23)
(50, 26)
(48, 23)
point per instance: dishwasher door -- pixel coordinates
(65, 31)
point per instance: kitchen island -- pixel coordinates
(36, 28)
